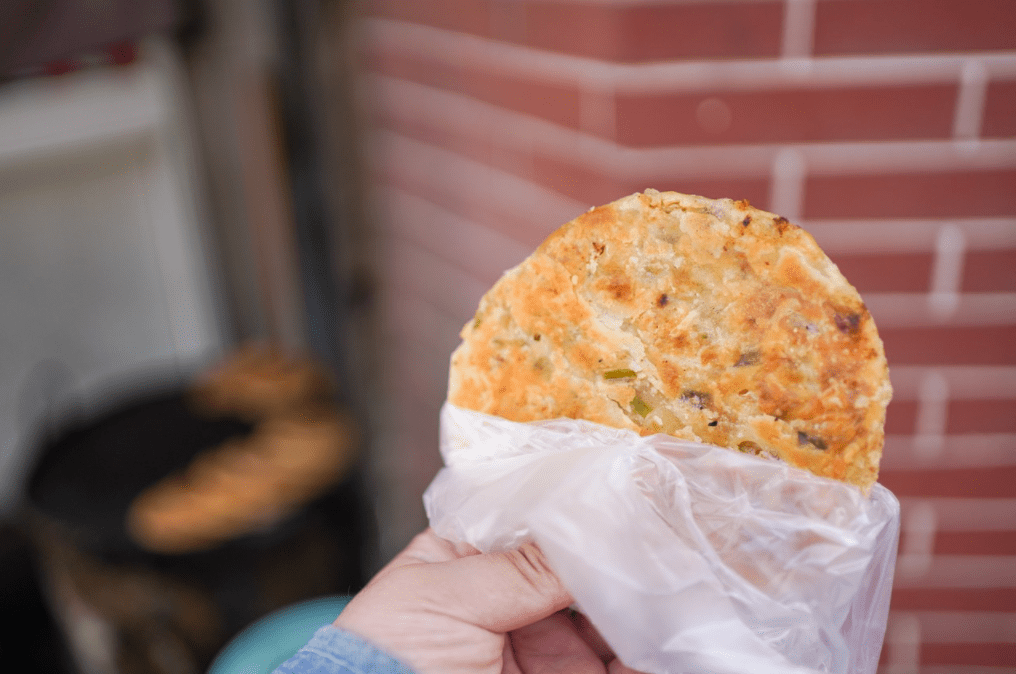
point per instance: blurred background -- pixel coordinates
(181, 179)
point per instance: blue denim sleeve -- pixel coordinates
(334, 651)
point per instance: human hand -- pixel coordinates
(445, 608)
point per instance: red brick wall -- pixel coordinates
(884, 127)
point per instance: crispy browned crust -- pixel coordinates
(706, 319)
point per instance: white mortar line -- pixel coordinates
(968, 514)
(912, 310)
(975, 450)
(947, 272)
(932, 416)
(966, 382)
(798, 28)
(892, 235)
(412, 103)
(868, 158)
(970, 102)
(487, 188)
(489, 56)
(786, 193)
(903, 642)
(962, 627)
(962, 571)
(917, 547)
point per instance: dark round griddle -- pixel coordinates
(90, 472)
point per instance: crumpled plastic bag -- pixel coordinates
(688, 558)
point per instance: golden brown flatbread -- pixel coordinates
(709, 320)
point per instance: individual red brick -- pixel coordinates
(912, 195)
(661, 31)
(787, 115)
(954, 599)
(877, 26)
(982, 416)
(999, 119)
(592, 30)
(901, 417)
(989, 271)
(976, 542)
(604, 31)
(568, 27)
(886, 273)
(993, 654)
(553, 102)
(556, 103)
(950, 345)
(999, 482)
(701, 30)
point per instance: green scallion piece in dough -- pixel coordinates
(640, 406)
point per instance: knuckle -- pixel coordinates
(533, 567)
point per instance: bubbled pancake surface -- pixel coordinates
(709, 320)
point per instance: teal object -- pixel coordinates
(267, 643)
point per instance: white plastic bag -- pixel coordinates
(688, 558)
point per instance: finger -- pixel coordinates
(591, 636)
(618, 667)
(552, 646)
(499, 592)
(508, 663)
(429, 548)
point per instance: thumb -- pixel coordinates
(502, 591)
